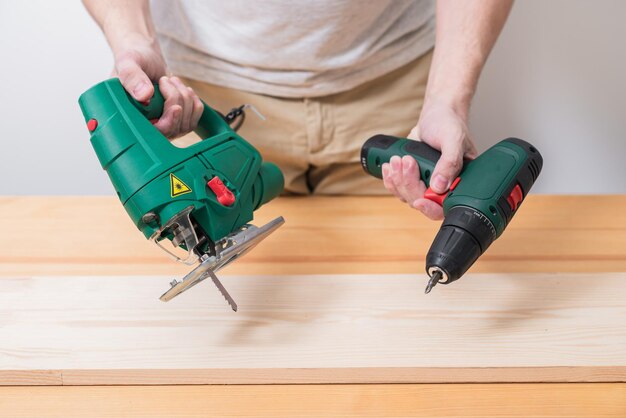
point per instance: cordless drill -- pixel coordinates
(479, 204)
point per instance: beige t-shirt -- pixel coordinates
(292, 48)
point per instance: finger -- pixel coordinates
(470, 150)
(198, 109)
(170, 121)
(429, 208)
(415, 134)
(388, 183)
(411, 186)
(448, 167)
(396, 175)
(187, 97)
(135, 80)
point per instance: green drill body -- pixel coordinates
(480, 203)
(484, 184)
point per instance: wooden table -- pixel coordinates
(87, 236)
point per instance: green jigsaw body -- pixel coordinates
(153, 176)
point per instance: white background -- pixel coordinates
(555, 78)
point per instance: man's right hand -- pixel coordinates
(130, 32)
(137, 67)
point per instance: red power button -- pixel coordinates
(515, 197)
(224, 196)
(439, 198)
(92, 124)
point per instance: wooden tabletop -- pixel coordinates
(94, 235)
(322, 235)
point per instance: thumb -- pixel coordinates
(135, 80)
(447, 168)
(415, 134)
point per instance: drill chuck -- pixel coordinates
(464, 235)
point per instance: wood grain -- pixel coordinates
(338, 235)
(313, 401)
(318, 329)
(322, 235)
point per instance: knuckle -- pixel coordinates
(177, 116)
(454, 163)
(134, 55)
(174, 130)
(165, 125)
(175, 98)
(129, 57)
(166, 130)
(186, 96)
(123, 71)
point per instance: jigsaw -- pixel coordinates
(196, 203)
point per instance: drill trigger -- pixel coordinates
(437, 198)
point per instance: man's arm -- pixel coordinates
(465, 34)
(128, 27)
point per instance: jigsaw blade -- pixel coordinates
(223, 290)
(228, 250)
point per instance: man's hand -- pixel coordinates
(444, 129)
(128, 27)
(137, 67)
(465, 34)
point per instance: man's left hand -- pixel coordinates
(444, 128)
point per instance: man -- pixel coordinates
(328, 74)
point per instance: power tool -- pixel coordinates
(479, 204)
(200, 199)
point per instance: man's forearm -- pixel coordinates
(123, 21)
(465, 34)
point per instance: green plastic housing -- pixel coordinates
(140, 161)
(485, 182)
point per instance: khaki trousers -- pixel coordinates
(317, 141)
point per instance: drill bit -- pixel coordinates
(434, 279)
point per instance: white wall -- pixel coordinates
(50, 51)
(556, 78)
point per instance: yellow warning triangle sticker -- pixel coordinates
(177, 186)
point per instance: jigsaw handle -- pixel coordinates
(210, 122)
(153, 109)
